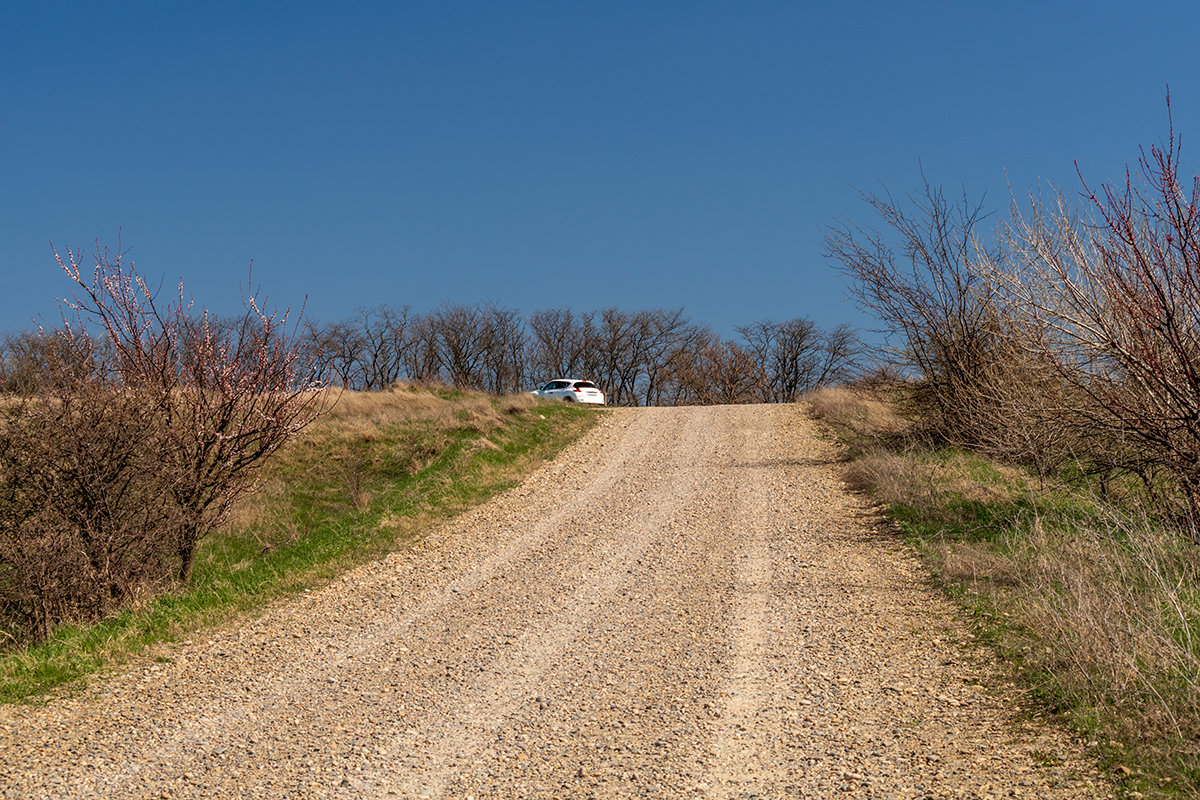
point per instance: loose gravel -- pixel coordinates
(685, 604)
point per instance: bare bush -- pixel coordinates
(32, 360)
(85, 519)
(1022, 412)
(1115, 298)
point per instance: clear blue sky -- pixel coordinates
(541, 154)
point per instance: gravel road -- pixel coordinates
(685, 604)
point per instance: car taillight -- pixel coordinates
(576, 389)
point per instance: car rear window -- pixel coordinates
(585, 385)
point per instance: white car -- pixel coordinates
(572, 390)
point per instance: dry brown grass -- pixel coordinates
(1119, 596)
(862, 415)
(403, 402)
(1103, 615)
(367, 411)
(908, 479)
(355, 419)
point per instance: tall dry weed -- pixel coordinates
(1119, 597)
(1103, 614)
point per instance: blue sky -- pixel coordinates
(544, 154)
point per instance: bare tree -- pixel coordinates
(423, 359)
(662, 336)
(560, 343)
(840, 358)
(322, 346)
(384, 336)
(505, 350)
(224, 397)
(931, 296)
(716, 372)
(462, 343)
(614, 361)
(794, 360)
(795, 357)
(760, 343)
(640, 358)
(630, 353)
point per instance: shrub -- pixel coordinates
(1114, 296)
(127, 446)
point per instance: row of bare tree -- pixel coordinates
(647, 357)
(1068, 336)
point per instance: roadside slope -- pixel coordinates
(685, 604)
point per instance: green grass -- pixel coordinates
(371, 477)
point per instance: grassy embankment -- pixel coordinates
(1095, 605)
(368, 477)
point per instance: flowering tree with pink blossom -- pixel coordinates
(225, 394)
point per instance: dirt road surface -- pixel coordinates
(686, 604)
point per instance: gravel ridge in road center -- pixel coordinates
(685, 604)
